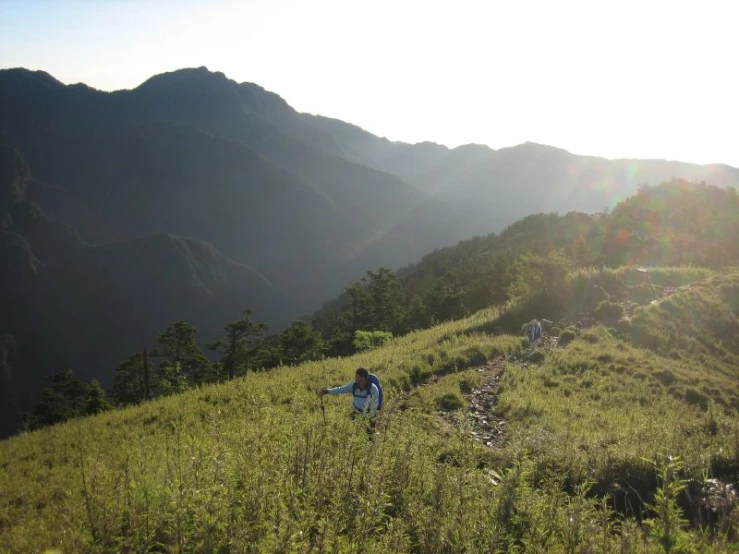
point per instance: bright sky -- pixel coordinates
(615, 78)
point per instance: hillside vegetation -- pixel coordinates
(676, 223)
(605, 436)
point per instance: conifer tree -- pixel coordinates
(129, 380)
(238, 347)
(179, 347)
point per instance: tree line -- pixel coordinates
(176, 364)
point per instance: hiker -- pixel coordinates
(367, 394)
(534, 333)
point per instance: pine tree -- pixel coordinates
(580, 252)
(386, 310)
(239, 346)
(170, 378)
(358, 306)
(67, 397)
(129, 380)
(300, 342)
(181, 351)
(96, 400)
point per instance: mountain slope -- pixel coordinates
(510, 183)
(66, 304)
(193, 153)
(589, 435)
(80, 138)
(550, 179)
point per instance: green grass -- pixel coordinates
(584, 289)
(251, 465)
(446, 393)
(594, 409)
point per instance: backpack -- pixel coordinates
(374, 380)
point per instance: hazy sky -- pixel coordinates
(645, 78)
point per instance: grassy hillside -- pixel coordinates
(596, 432)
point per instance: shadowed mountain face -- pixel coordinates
(196, 154)
(289, 208)
(307, 200)
(93, 266)
(67, 304)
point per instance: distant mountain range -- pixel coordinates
(68, 304)
(280, 209)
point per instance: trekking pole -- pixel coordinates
(325, 383)
(320, 396)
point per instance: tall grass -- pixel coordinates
(252, 466)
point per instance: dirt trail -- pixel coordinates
(487, 427)
(487, 424)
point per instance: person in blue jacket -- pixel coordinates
(367, 395)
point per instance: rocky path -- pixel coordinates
(487, 427)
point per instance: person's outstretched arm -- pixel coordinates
(340, 390)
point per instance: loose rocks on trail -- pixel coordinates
(486, 426)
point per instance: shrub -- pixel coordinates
(466, 386)
(475, 356)
(567, 336)
(642, 294)
(403, 384)
(668, 305)
(457, 363)
(419, 375)
(696, 398)
(537, 356)
(666, 377)
(730, 295)
(623, 327)
(450, 402)
(367, 340)
(608, 313)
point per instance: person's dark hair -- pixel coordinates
(362, 372)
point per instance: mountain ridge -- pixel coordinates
(204, 71)
(296, 205)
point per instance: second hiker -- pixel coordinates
(534, 332)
